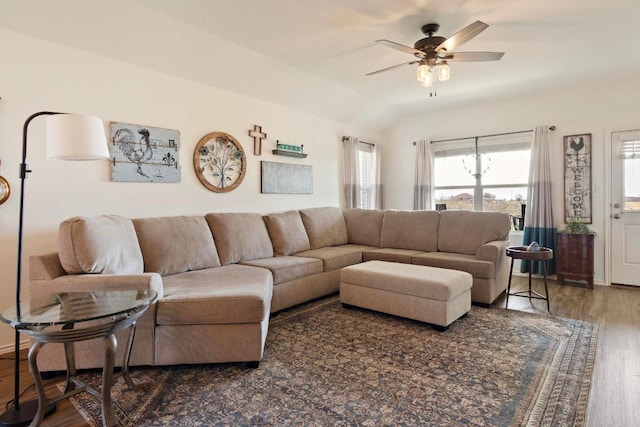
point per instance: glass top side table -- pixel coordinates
(77, 316)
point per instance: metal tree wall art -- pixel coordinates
(219, 162)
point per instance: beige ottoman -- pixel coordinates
(434, 295)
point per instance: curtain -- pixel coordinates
(539, 225)
(351, 172)
(423, 186)
(377, 201)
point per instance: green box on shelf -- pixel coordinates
(286, 147)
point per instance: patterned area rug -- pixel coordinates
(325, 365)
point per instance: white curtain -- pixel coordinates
(423, 196)
(539, 224)
(351, 172)
(376, 178)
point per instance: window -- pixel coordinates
(365, 162)
(630, 155)
(483, 174)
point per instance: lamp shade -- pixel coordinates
(76, 137)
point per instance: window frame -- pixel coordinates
(475, 146)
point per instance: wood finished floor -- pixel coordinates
(615, 392)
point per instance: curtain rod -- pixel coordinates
(486, 136)
(344, 138)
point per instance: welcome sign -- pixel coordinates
(577, 178)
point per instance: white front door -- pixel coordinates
(625, 207)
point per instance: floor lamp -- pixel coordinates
(68, 137)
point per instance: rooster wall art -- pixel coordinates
(144, 154)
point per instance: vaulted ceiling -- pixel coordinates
(313, 54)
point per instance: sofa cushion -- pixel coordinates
(390, 255)
(176, 244)
(417, 230)
(229, 294)
(240, 236)
(465, 231)
(364, 226)
(286, 268)
(336, 257)
(462, 262)
(287, 232)
(100, 244)
(325, 226)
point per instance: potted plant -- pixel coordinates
(574, 259)
(575, 226)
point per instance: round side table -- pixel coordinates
(521, 253)
(80, 316)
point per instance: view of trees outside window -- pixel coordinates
(501, 184)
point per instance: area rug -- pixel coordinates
(325, 365)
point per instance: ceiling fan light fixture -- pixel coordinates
(423, 70)
(428, 80)
(444, 73)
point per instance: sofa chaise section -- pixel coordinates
(213, 315)
(221, 312)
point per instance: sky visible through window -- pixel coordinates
(504, 168)
(632, 184)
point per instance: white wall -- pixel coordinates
(596, 108)
(37, 75)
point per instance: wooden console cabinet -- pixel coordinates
(574, 257)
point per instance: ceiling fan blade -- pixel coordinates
(462, 36)
(392, 67)
(473, 56)
(400, 47)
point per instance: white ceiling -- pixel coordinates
(314, 54)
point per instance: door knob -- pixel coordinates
(617, 216)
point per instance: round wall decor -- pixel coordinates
(5, 190)
(219, 162)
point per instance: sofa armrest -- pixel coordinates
(80, 282)
(45, 267)
(492, 251)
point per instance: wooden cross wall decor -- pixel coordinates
(257, 135)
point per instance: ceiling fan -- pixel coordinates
(434, 52)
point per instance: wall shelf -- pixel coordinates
(289, 154)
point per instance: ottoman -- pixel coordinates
(433, 295)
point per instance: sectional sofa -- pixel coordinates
(219, 276)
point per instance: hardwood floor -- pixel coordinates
(615, 392)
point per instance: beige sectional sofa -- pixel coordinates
(219, 276)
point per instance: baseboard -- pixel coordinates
(8, 348)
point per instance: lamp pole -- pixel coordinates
(21, 415)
